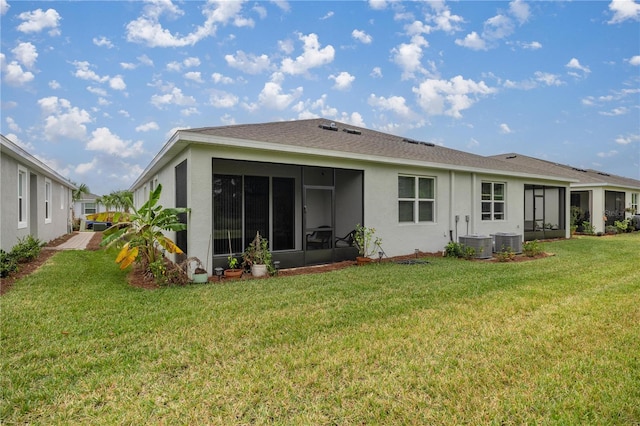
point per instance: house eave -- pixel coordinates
(183, 138)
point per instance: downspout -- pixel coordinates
(452, 176)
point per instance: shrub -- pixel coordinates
(27, 249)
(459, 250)
(622, 225)
(506, 254)
(588, 228)
(8, 264)
(531, 248)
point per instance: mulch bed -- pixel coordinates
(137, 278)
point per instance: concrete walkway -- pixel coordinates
(77, 242)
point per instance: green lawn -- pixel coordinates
(551, 341)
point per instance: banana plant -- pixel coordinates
(142, 232)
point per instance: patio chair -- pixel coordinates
(346, 241)
(319, 239)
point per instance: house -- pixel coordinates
(602, 198)
(36, 200)
(88, 204)
(295, 180)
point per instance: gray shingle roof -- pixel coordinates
(583, 176)
(357, 140)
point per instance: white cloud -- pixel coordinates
(128, 65)
(609, 154)
(4, 7)
(520, 10)
(378, 4)
(117, 83)
(343, 80)
(175, 97)
(504, 129)
(249, 63)
(627, 139)
(13, 73)
(634, 60)
(623, 10)
(443, 20)
(574, 64)
(221, 99)
(472, 41)
(13, 126)
(187, 112)
(328, 15)
(313, 56)
(548, 78)
(104, 141)
(534, 45)
(85, 168)
(26, 54)
(63, 120)
(221, 79)
(286, 46)
(615, 112)
(408, 56)
(397, 104)
(151, 125)
(272, 96)
(83, 72)
(376, 72)
(145, 60)
(449, 97)
(194, 76)
(102, 42)
(147, 29)
(97, 91)
(191, 62)
(498, 27)
(361, 36)
(38, 20)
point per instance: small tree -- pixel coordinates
(143, 237)
(366, 240)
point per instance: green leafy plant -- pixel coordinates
(366, 241)
(8, 264)
(233, 262)
(506, 254)
(257, 253)
(588, 228)
(143, 235)
(27, 249)
(622, 225)
(453, 249)
(531, 248)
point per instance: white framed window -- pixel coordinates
(634, 203)
(416, 199)
(23, 197)
(89, 208)
(47, 201)
(493, 200)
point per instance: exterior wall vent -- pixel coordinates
(510, 157)
(331, 126)
(352, 131)
(579, 170)
(415, 142)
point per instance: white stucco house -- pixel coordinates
(295, 179)
(603, 198)
(36, 200)
(88, 204)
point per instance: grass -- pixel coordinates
(552, 341)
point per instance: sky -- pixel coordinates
(95, 88)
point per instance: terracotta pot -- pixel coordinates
(233, 273)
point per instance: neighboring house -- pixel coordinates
(603, 198)
(295, 180)
(88, 204)
(36, 200)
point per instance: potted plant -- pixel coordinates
(199, 274)
(232, 271)
(367, 243)
(258, 257)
